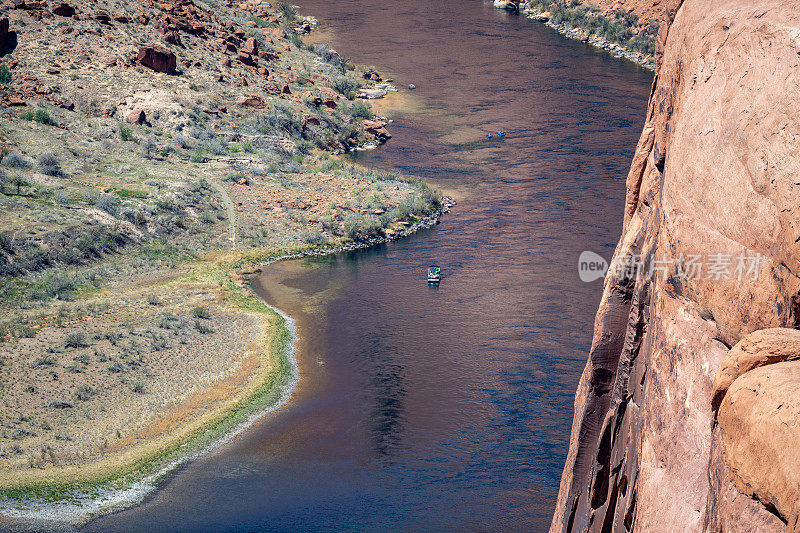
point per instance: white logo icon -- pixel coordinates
(591, 266)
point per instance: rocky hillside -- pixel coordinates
(686, 415)
(151, 152)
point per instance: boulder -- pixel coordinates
(285, 89)
(327, 91)
(246, 59)
(136, 116)
(760, 348)
(372, 76)
(64, 10)
(157, 58)
(173, 37)
(377, 128)
(758, 419)
(103, 17)
(250, 46)
(255, 101)
(275, 32)
(371, 94)
(310, 120)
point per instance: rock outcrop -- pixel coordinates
(761, 348)
(709, 253)
(157, 58)
(64, 10)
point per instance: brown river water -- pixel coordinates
(429, 409)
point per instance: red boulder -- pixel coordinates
(250, 46)
(157, 58)
(64, 10)
(136, 116)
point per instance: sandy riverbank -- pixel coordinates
(260, 380)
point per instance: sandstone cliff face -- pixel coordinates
(716, 171)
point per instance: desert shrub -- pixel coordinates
(125, 133)
(207, 218)
(26, 332)
(42, 361)
(357, 227)
(138, 387)
(198, 156)
(85, 393)
(153, 299)
(312, 237)
(288, 11)
(108, 203)
(5, 75)
(361, 110)
(49, 164)
(63, 198)
(325, 53)
(376, 201)
(159, 343)
(116, 368)
(147, 147)
(170, 321)
(346, 86)
(215, 147)
(280, 117)
(202, 328)
(52, 285)
(19, 182)
(76, 339)
(43, 117)
(14, 160)
(201, 312)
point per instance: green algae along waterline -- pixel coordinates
(422, 408)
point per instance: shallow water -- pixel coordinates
(421, 408)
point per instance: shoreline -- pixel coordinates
(618, 51)
(86, 500)
(89, 498)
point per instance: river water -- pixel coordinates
(445, 408)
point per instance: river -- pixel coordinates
(446, 408)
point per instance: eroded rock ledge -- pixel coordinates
(715, 172)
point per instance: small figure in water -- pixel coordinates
(501, 133)
(489, 136)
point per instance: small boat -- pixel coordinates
(434, 274)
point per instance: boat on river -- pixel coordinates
(434, 274)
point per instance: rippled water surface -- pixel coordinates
(430, 409)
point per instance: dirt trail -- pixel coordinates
(229, 208)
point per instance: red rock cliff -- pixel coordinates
(657, 444)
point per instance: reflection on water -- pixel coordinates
(421, 408)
